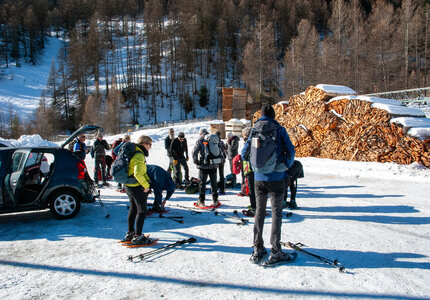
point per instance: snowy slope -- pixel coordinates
(375, 218)
(21, 87)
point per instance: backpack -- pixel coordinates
(193, 186)
(213, 154)
(263, 154)
(236, 165)
(119, 168)
(230, 181)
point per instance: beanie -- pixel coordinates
(203, 131)
(268, 111)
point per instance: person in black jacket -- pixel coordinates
(167, 143)
(205, 169)
(221, 165)
(232, 150)
(179, 151)
(295, 171)
(99, 147)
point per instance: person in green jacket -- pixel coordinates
(138, 193)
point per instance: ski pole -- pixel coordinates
(193, 211)
(334, 263)
(103, 206)
(164, 248)
(173, 218)
(242, 220)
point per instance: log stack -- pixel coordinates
(347, 128)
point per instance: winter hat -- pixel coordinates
(268, 111)
(230, 134)
(181, 134)
(99, 135)
(203, 131)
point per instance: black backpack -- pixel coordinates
(193, 186)
(263, 154)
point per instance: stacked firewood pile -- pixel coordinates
(347, 129)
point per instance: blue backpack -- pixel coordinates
(263, 154)
(119, 168)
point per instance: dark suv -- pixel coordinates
(41, 177)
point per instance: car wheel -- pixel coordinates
(65, 204)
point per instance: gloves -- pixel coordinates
(175, 162)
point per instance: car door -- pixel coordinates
(14, 179)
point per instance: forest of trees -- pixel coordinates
(135, 54)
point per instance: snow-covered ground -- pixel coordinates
(374, 218)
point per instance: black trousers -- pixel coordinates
(251, 186)
(99, 165)
(221, 178)
(203, 177)
(137, 212)
(296, 171)
(177, 168)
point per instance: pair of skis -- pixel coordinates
(334, 263)
(144, 256)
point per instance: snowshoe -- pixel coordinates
(128, 237)
(279, 259)
(215, 204)
(258, 256)
(249, 213)
(142, 240)
(156, 210)
(202, 205)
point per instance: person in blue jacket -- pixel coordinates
(160, 181)
(79, 148)
(272, 183)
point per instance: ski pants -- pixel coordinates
(171, 166)
(137, 212)
(251, 187)
(276, 191)
(203, 177)
(230, 161)
(221, 178)
(99, 164)
(177, 168)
